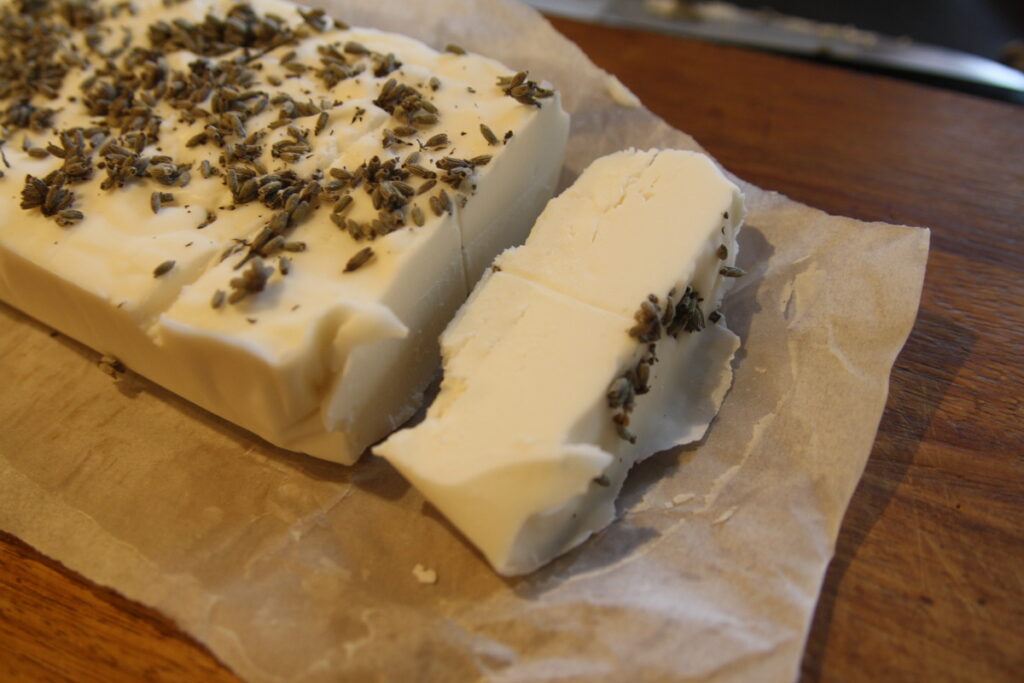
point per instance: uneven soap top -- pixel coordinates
(146, 141)
(634, 223)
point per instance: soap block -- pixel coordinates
(274, 223)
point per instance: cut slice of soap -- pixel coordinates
(593, 346)
(333, 350)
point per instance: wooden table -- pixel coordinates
(928, 579)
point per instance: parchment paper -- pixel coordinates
(293, 569)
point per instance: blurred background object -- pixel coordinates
(974, 46)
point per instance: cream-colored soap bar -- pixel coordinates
(593, 346)
(272, 214)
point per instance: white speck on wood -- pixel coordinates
(424, 574)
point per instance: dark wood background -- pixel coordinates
(928, 579)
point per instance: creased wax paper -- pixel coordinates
(292, 569)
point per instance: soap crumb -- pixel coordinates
(424, 574)
(620, 93)
(681, 498)
(724, 517)
(112, 366)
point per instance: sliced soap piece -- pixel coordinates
(591, 347)
(274, 223)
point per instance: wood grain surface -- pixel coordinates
(928, 578)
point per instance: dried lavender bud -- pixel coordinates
(359, 259)
(163, 268)
(488, 134)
